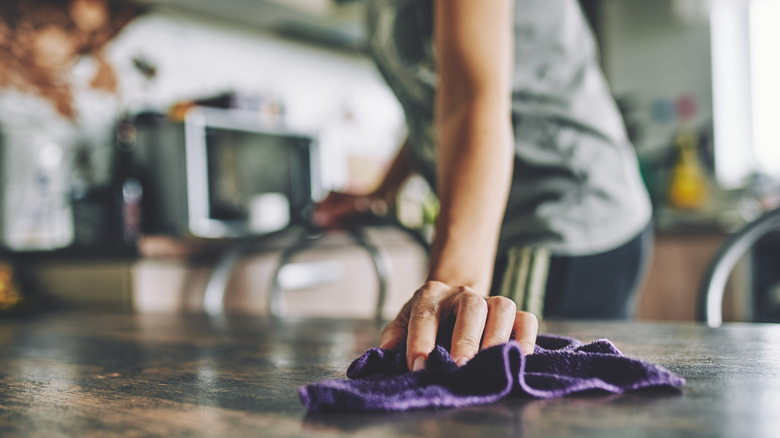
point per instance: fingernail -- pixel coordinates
(461, 361)
(418, 364)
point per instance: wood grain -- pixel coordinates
(163, 375)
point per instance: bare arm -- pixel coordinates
(339, 209)
(398, 172)
(473, 42)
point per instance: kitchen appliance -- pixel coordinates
(223, 173)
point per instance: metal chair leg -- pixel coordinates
(306, 240)
(381, 266)
(216, 287)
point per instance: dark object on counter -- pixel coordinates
(114, 214)
(129, 180)
(766, 278)
(559, 366)
(126, 187)
(90, 217)
(202, 176)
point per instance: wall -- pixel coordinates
(197, 56)
(655, 55)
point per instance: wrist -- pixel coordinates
(457, 264)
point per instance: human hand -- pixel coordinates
(479, 323)
(340, 209)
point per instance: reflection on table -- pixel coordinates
(78, 375)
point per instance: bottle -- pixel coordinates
(688, 188)
(126, 187)
(11, 298)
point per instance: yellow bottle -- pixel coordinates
(10, 296)
(688, 188)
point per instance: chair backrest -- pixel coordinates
(304, 237)
(713, 282)
(381, 265)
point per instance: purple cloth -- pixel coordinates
(381, 381)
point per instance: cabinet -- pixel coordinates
(671, 285)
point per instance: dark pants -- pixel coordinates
(599, 286)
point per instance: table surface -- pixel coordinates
(163, 375)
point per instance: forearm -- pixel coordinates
(397, 173)
(472, 116)
(473, 42)
(340, 209)
(474, 178)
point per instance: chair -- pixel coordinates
(305, 237)
(713, 282)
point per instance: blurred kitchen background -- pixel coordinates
(143, 141)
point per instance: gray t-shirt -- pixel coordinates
(576, 187)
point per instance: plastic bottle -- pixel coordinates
(688, 188)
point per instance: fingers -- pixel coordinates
(479, 323)
(526, 327)
(500, 321)
(423, 323)
(471, 311)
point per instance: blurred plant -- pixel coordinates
(41, 39)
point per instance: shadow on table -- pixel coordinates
(495, 420)
(506, 418)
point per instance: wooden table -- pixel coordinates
(129, 375)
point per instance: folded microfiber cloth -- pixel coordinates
(379, 380)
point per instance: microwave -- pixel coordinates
(222, 173)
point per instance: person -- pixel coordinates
(510, 119)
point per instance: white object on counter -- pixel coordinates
(268, 212)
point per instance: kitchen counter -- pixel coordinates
(162, 375)
(170, 276)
